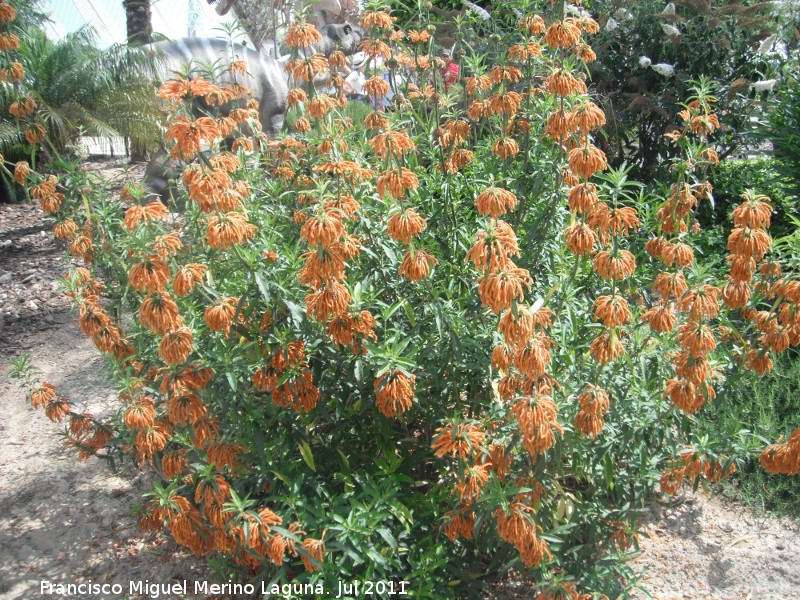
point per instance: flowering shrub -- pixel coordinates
(430, 346)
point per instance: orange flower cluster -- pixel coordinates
(748, 243)
(288, 379)
(594, 404)
(394, 392)
(302, 35)
(189, 136)
(516, 526)
(46, 192)
(694, 466)
(783, 459)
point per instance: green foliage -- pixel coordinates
(79, 90)
(716, 40)
(438, 406)
(782, 129)
(734, 177)
(769, 406)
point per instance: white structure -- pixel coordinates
(171, 18)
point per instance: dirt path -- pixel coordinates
(61, 520)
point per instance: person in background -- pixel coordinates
(450, 70)
(354, 84)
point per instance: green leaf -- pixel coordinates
(308, 456)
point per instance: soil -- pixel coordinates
(66, 521)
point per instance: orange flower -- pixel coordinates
(227, 229)
(655, 246)
(174, 463)
(392, 143)
(418, 37)
(622, 219)
(582, 197)
(188, 136)
(322, 229)
(588, 116)
(700, 302)
(148, 442)
(660, 318)
(319, 106)
(504, 74)
(322, 265)
(141, 414)
(593, 404)
(532, 24)
(42, 395)
(494, 247)
(586, 160)
(181, 88)
(21, 170)
(405, 226)
(137, 214)
(533, 358)
(65, 230)
(606, 347)
(495, 202)
(754, 212)
(394, 392)
(314, 551)
(458, 439)
(219, 316)
(670, 285)
(7, 12)
(516, 330)
(506, 103)
(471, 483)
(680, 254)
(23, 107)
(505, 148)
(746, 241)
(303, 35)
(14, 73)
(149, 275)
(736, 293)
(498, 288)
(296, 96)
(562, 83)
(306, 69)
(35, 133)
(615, 264)
(185, 409)
(186, 278)
(562, 34)
(176, 346)
(612, 310)
(398, 182)
(580, 238)
(330, 301)
(159, 313)
(377, 86)
(377, 19)
(684, 395)
(416, 265)
(522, 53)
(459, 524)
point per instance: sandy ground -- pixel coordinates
(61, 520)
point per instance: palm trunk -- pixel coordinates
(140, 32)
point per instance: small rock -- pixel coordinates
(5, 243)
(6, 277)
(32, 306)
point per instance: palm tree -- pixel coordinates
(80, 90)
(138, 20)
